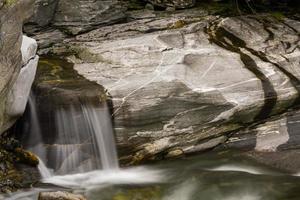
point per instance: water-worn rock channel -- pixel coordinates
(212, 88)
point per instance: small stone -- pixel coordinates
(149, 6)
(170, 9)
(60, 196)
(27, 157)
(174, 153)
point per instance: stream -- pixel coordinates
(74, 141)
(210, 176)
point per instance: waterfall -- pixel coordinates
(85, 141)
(81, 138)
(35, 143)
(44, 171)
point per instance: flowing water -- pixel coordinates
(68, 123)
(85, 141)
(75, 143)
(210, 176)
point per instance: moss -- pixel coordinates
(11, 157)
(10, 2)
(26, 157)
(178, 24)
(85, 55)
(278, 15)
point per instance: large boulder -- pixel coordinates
(12, 15)
(185, 85)
(19, 93)
(44, 11)
(81, 16)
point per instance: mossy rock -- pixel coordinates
(17, 166)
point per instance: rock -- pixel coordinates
(194, 82)
(44, 11)
(60, 196)
(18, 64)
(80, 16)
(11, 60)
(19, 93)
(28, 49)
(45, 44)
(275, 142)
(17, 166)
(70, 95)
(177, 4)
(196, 77)
(174, 153)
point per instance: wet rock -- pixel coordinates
(287, 161)
(19, 93)
(17, 166)
(44, 11)
(11, 19)
(274, 142)
(174, 153)
(72, 97)
(74, 17)
(60, 196)
(193, 82)
(80, 16)
(173, 3)
(196, 77)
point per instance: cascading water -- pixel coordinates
(67, 123)
(84, 141)
(44, 171)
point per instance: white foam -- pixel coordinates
(137, 175)
(44, 171)
(237, 168)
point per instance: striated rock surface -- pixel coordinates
(189, 82)
(173, 3)
(183, 81)
(17, 61)
(19, 93)
(80, 16)
(44, 11)
(274, 142)
(76, 16)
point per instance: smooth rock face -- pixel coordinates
(181, 81)
(82, 15)
(184, 87)
(28, 49)
(19, 93)
(44, 11)
(11, 60)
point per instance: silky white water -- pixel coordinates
(44, 171)
(82, 140)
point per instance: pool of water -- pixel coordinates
(210, 176)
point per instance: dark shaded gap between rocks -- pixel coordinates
(270, 95)
(262, 56)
